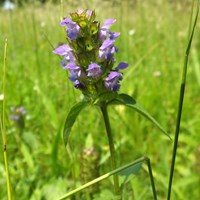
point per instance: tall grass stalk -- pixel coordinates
(3, 126)
(181, 96)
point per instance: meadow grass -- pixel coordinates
(153, 41)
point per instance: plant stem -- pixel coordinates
(3, 126)
(181, 98)
(151, 178)
(112, 148)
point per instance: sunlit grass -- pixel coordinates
(152, 41)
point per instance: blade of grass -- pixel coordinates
(181, 98)
(3, 126)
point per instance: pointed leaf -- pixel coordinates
(132, 170)
(71, 118)
(126, 100)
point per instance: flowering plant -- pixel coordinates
(89, 58)
(89, 54)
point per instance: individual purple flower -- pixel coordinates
(107, 50)
(94, 71)
(122, 65)
(112, 81)
(72, 28)
(104, 31)
(75, 71)
(66, 51)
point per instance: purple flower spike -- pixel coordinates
(89, 56)
(122, 65)
(112, 81)
(94, 71)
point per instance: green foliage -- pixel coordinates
(71, 118)
(152, 41)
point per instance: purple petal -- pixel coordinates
(71, 66)
(62, 50)
(122, 65)
(72, 33)
(94, 70)
(114, 75)
(112, 81)
(114, 35)
(89, 12)
(107, 50)
(72, 76)
(106, 44)
(66, 21)
(116, 88)
(108, 22)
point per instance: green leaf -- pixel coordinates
(126, 100)
(132, 170)
(71, 118)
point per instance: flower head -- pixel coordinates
(90, 54)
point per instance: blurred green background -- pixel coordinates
(153, 41)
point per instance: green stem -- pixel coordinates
(3, 127)
(180, 105)
(151, 178)
(112, 148)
